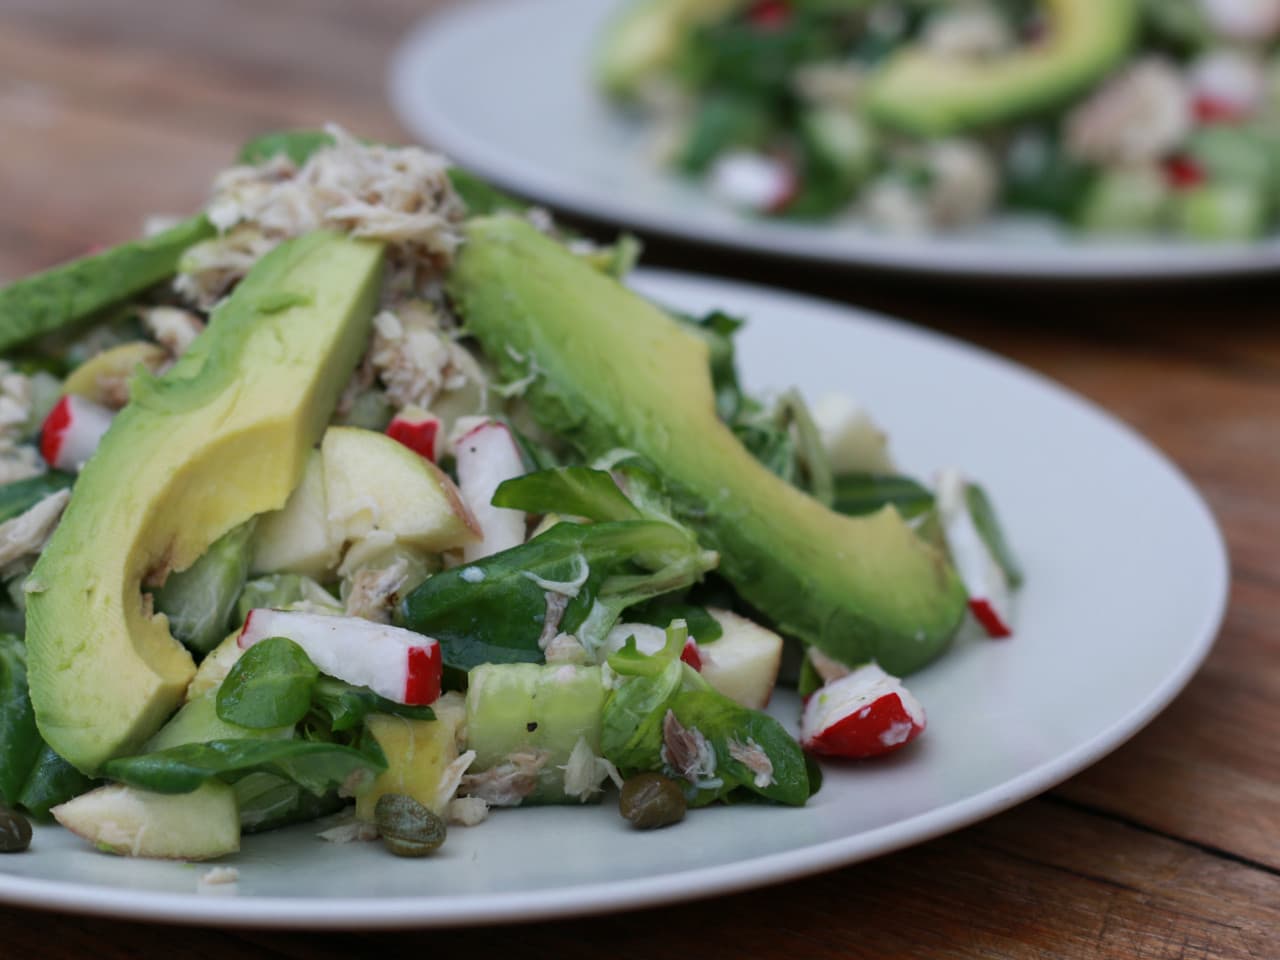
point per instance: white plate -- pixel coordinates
(504, 87)
(1127, 582)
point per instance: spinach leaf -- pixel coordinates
(266, 801)
(346, 706)
(52, 781)
(735, 732)
(631, 728)
(495, 610)
(573, 491)
(269, 686)
(660, 612)
(862, 493)
(20, 741)
(201, 600)
(314, 766)
(983, 512)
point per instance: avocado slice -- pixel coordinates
(71, 292)
(613, 370)
(930, 95)
(220, 438)
(645, 38)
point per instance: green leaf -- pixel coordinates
(280, 591)
(983, 512)
(630, 662)
(52, 781)
(346, 706)
(266, 802)
(730, 728)
(269, 686)
(661, 611)
(20, 496)
(201, 600)
(862, 493)
(494, 610)
(631, 732)
(572, 491)
(20, 741)
(315, 766)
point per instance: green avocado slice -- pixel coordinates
(931, 95)
(612, 370)
(47, 301)
(220, 438)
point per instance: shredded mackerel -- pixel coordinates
(18, 461)
(752, 756)
(400, 195)
(372, 593)
(508, 783)
(688, 753)
(26, 534)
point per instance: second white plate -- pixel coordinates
(1127, 580)
(504, 88)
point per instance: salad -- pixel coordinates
(370, 493)
(1130, 117)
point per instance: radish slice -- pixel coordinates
(417, 429)
(397, 664)
(865, 714)
(1226, 86)
(487, 455)
(753, 181)
(984, 580)
(690, 654)
(72, 431)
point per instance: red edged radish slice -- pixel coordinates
(984, 581)
(397, 664)
(753, 181)
(865, 714)
(417, 429)
(72, 431)
(1226, 86)
(486, 456)
(690, 654)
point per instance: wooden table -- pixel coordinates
(113, 109)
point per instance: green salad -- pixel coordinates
(370, 494)
(1129, 117)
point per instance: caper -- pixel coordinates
(15, 831)
(408, 828)
(650, 800)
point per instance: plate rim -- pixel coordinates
(560, 902)
(1099, 261)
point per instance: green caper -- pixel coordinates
(15, 831)
(650, 800)
(408, 828)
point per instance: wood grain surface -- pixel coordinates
(111, 110)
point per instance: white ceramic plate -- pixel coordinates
(1127, 579)
(504, 87)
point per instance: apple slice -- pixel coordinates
(417, 429)
(743, 663)
(371, 482)
(487, 455)
(119, 819)
(104, 378)
(865, 714)
(397, 664)
(853, 442)
(72, 431)
(990, 599)
(298, 538)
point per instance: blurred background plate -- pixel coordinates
(504, 87)
(1127, 578)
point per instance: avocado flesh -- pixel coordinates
(47, 301)
(220, 438)
(612, 370)
(645, 38)
(931, 95)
